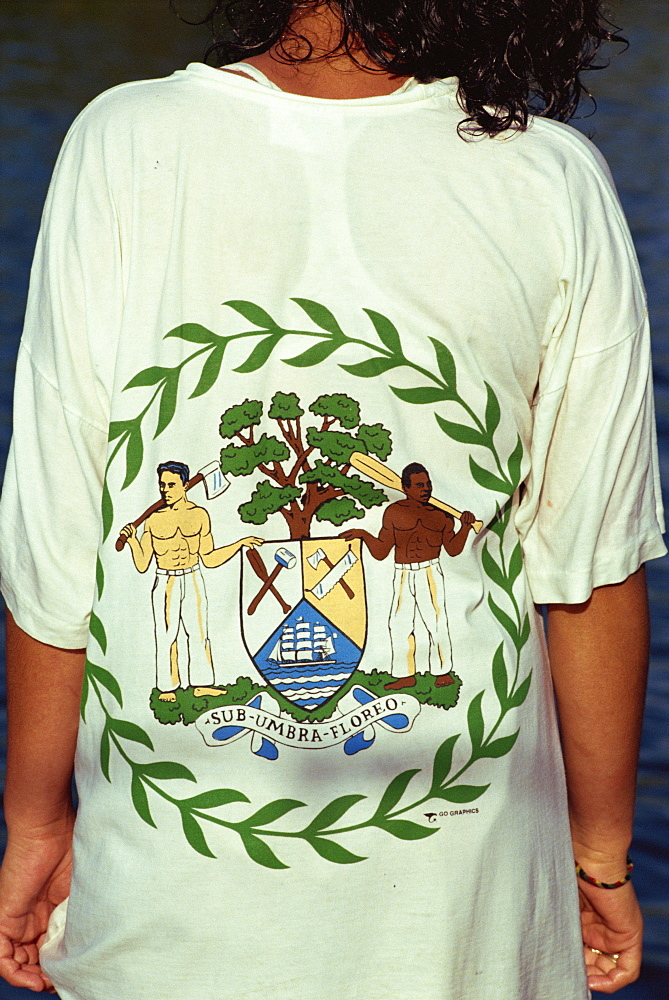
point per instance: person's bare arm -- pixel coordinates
(142, 551)
(217, 557)
(599, 659)
(454, 542)
(43, 696)
(379, 547)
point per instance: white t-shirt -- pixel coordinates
(302, 298)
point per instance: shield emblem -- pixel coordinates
(304, 616)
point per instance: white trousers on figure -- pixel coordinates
(183, 653)
(419, 595)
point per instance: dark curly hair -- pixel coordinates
(513, 58)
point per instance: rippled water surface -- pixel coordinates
(55, 55)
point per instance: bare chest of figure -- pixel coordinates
(418, 534)
(176, 537)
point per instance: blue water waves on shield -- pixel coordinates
(307, 659)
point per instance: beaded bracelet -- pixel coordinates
(605, 885)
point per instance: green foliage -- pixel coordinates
(373, 367)
(405, 829)
(210, 372)
(338, 511)
(105, 753)
(167, 770)
(446, 363)
(375, 439)
(514, 464)
(266, 500)
(259, 851)
(140, 799)
(194, 835)
(253, 313)
(330, 850)
(193, 333)
(147, 377)
(335, 445)
(386, 331)
(492, 411)
(321, 316)
(168, 403)
(461, 432)
(107, 520)
(107, 680)
(475, 721)
(243, 459)
(215, 798)
(134, 456)
(85, 691)
(99, 572)
(167, 712)
(424, 689)
(438, 385)
(187, 708)
(488, 480)
(240, 417)
(500, 522)
(271, 812)
(422, 394)
(333, 812)
(97, 630)
(463, 793)
(285, 406)
(361, 490)
(341, 407)
(129, 731)
(260, 353)
(443, 761)
(395, 791)
(314, 355)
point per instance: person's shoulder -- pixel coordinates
(130, 108)
(197, 511)
(395, 507)
(567, 146)
(559, 165)
(440, 512)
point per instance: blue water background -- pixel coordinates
(55, 55)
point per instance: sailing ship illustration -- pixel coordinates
(305, 644)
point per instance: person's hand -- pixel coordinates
(467, 518)
(251, 542)
(34, 879)
(351, 533)
(611, 925)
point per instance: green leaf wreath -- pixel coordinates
(261, 831)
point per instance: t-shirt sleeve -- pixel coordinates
(50, 509)
(591, 511)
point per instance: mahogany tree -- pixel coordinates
(306, 469)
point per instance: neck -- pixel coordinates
(329, 71)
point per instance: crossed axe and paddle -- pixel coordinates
(216, 482)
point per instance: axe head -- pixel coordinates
(215, 481)
(315, 558)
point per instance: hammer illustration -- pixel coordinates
(215, 483)
(318, 557)
(284, 560)
(260, 571)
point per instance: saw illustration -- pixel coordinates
(380, 473)
(335, 575)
